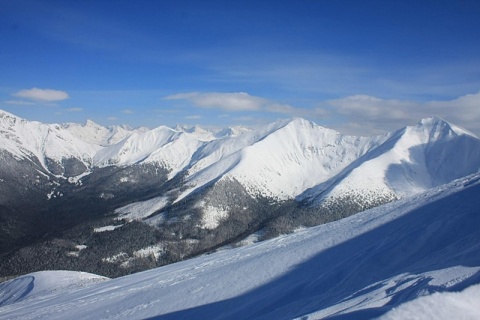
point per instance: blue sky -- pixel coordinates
(360, 67)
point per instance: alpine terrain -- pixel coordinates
(117, 200)
(416, 258)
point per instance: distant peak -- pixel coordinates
(294, 122)
(5, 114)
(433, 120)
(303, 123)
(232, 131)
(439, 126)
(8, 118)
(91, 123)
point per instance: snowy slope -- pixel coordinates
(142, 209)
(411, 160)
(232, 132)
(167, 147)
(28, 139)
(40, 285)
(280, 160)
(440, 306)
(197, 131)
(356, 268)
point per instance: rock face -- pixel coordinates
(194, 190)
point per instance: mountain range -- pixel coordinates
(115, 200)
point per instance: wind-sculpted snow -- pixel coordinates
(40, 285)
(356, 268)
(440, 306)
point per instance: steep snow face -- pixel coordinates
(411, 160)
(281, 160)
(296, 157)
(450, 152)
(27, 139)
(356, 268)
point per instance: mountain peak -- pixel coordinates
(301, 123)
(439, 127)
(4, 115)
(433, 121)
(91, 123)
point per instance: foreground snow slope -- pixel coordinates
(40, 285)
(356, 268)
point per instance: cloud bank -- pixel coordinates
(363, 113)
(44, 95)
(237, 102)
(356, 114)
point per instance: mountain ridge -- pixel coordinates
(186, 194)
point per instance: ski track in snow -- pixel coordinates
(356, 268)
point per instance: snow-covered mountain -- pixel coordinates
(201, 190)
(410, 160)
(46, 144)
(96, 134)
(232, 132)
(281, 160)
(360, 267)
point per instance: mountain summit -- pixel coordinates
(407, 161)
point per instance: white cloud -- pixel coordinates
(356, 114)
(127, 111)
(239, 101)
(367, 114)
(112, 118)
(46, 95)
